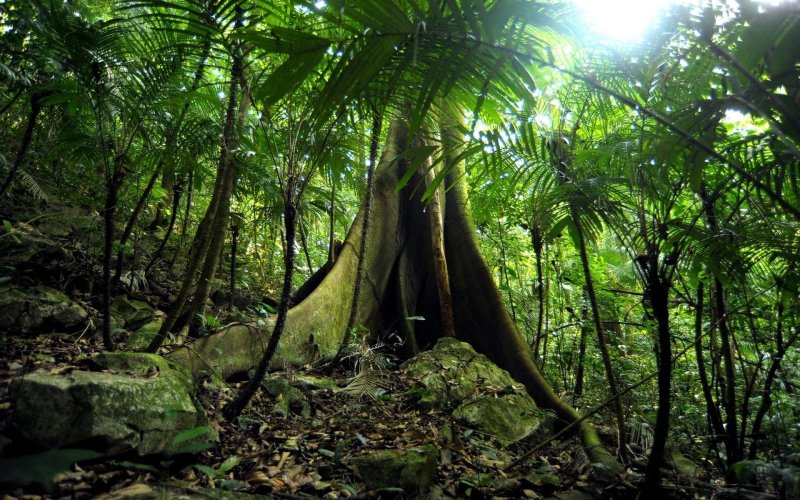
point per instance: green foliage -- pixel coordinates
(41, 468)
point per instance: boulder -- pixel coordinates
(141, 338)
(140, 402)
(508, 418)
(27, 249)
(455, 378)
(39, 310)
(135, 313)
(289, 397)
(412, 469)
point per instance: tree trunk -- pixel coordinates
(657, 291)
(126, 233)
(538, 244)
(397, 266)
(112, 189)
(439, 259)
(714, 418)
(201, 249)
(377, 123)
(235, 407)
(581, 351)
(176, 200)
(234, 248)
(601, 336)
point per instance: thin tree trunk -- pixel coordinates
(377, 123)
(217, 242)
(332, 229)
(538, 244)
(201, 246)
(176, 200)
(234, 248)
(582, 350)
(733, 452)
(112, 188)
(766, 395)
(27, 137)
(504, 273)
(714, 418)
(235, 407)
(126, 233)
(185, 223)
(601, 336)
(657, 291)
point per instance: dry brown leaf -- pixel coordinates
(257, 477)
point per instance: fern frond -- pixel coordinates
(33, 187)
(367, 382)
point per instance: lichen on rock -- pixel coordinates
(453, 377)
(141, 403)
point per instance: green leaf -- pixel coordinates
(415, 157)
(190, 434)
(41, 468)
(230, 463)
(208, 471)
(287, 76)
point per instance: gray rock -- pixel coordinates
(135, 313)
(39, 310)
(28, 248)
(453, 377)
(509, 417)
(140, 403)
(412, 469)
(141, 338)
(288, 396)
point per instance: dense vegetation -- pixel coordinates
(638, 206)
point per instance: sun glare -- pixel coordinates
(620, 20)
(627, 20)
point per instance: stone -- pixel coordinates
(509, 418)
(412, 469)
(289, 397)
(135, 313)
(454, 378)
(140, 402)
(683, 465)
(141, 338)
(39, 310)
(27, 248)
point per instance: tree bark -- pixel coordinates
(657, 291)
(439, 258)
(235, 407)
(399, 235)
(377, 123)
(714, 418)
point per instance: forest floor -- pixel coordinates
(294, 449)
(302, 449)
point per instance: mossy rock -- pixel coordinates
(452, 372)
(289, 397)
(142, 403)
(141, 338)
(453, 377)
(135, 312)
(28, 248)
(39, 310)
(412, 470)
(508, 418)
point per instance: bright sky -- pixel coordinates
(624, 20)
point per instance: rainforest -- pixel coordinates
(399, 249)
